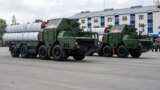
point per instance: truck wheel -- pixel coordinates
(78, 57)
(58, 53)
(14, 51)
(107, 51)
(43, 52)
(24, 51)
(135, 53)
(122, 52)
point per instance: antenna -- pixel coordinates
(14, 20)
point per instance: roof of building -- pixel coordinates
(111, 12)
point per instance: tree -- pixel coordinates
(38, 20)
(2, 27)
(14, 22)
(2, 24)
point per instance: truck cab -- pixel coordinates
(65, 35)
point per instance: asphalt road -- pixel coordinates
(94, 73)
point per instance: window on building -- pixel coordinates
(132, 18)
(77, 20)
(150, 24)
(89, 25)
(89, 21)
(96, 26)
(150, 16)
(110, 19)
(83, 21)
(102, 20)
(117, 19)
(141, 17)
(141, 25)
(95, 20)
(124, 18)
(83, 27)
(133, 25)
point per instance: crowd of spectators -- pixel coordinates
(156, 48)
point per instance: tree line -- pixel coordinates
(3, 25)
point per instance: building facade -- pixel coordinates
(144, 18)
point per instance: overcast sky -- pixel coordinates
(29, 10)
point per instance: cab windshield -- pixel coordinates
(54, 23)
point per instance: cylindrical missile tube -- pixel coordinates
(34, 27)
(27, 36)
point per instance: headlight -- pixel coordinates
(140, 44)
(76, 43)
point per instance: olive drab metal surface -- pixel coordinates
(59, 38)
(123, 40)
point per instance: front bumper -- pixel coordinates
(146, 45)
(84, 49)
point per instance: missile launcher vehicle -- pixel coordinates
(123, 40)
(57, 39)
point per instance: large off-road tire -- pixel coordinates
(58, 53)
(107, 51)
(135, 53)
(78, 57)
(43, 52)
(122, 52)
(14, 51)
(24, 51)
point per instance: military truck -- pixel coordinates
(123, 40)
(58, 38)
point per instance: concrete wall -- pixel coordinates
(156, 22)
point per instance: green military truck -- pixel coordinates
(58, 38)
(123, 40)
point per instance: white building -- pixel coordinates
(138, 16)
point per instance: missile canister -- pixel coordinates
(34, 27)
(27, 36)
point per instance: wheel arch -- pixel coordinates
(105, 44)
